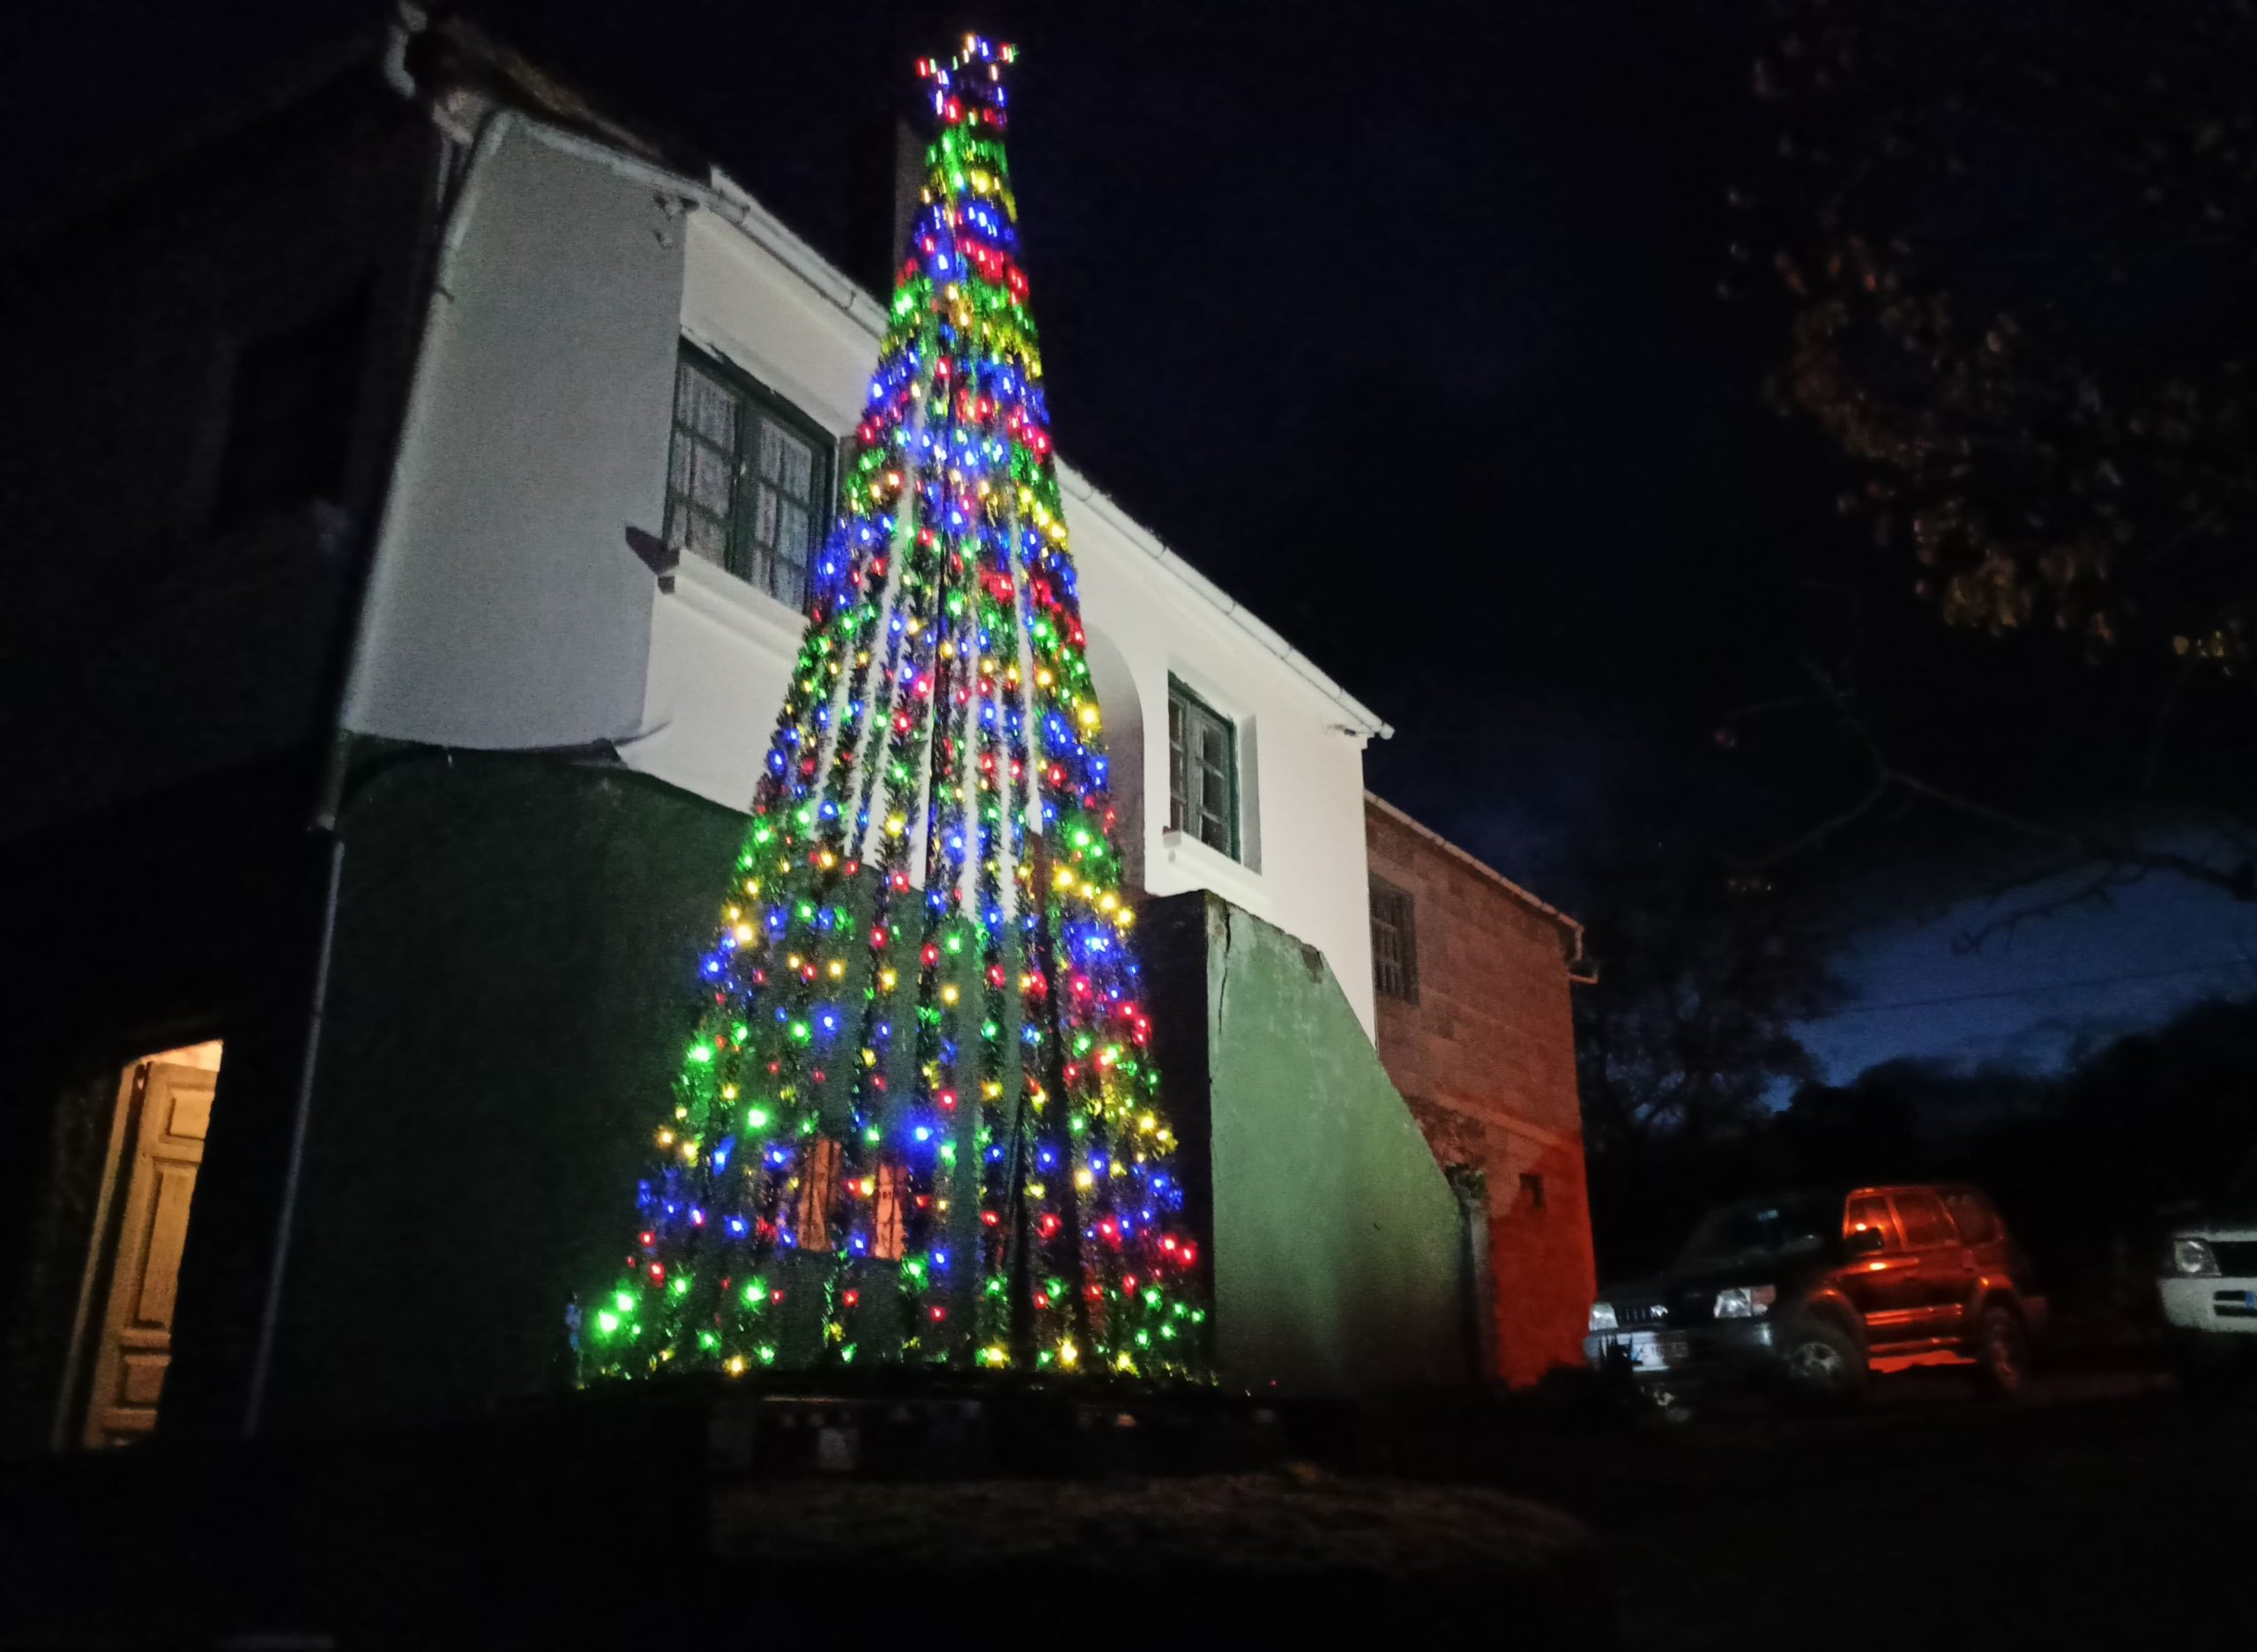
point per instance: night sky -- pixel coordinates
(1404, 330)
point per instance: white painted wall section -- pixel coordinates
(505, 608)
(508, 612)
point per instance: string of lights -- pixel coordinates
(918, 1121)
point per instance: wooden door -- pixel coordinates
(137, 1327)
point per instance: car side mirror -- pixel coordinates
(1863, 1241)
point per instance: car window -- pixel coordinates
(1756, 1228)
(1921, 1214)
(1971, 1214)
(1871, 1210)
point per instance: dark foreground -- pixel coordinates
(2108, 1511)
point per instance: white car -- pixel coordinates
(2209, 1288)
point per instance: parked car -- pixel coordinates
(2209, 1285)
(1812, 1291)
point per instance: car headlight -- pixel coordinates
(1602, 1317)
(2190, 1256)
(1746, 1302)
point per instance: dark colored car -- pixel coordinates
(1812, 1291)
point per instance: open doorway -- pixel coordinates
(123, 1337)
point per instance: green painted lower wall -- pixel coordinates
(1338, 1244)
(510, 990)
(511, 984)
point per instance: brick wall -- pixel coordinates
(1485, 1059)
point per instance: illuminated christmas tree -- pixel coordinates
(918, 1121)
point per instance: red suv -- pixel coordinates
(1815, 1291)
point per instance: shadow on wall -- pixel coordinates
(1122, 708)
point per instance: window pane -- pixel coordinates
(1971, 1217)
(1924, 1222)
(1179, 802)
(792, 532)
(712, 478)
(1871, 1210)
(678, 465)
(1201, 772)
(693, 531)
(786, 460)
(1395, 966)
(707, 406)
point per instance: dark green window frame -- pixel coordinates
(750, 524)
(1201, 794)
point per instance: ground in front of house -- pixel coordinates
(2111, 1510)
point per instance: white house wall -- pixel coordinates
(720, 652)
(505, 609)
(565, 336)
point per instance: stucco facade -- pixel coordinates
(1481, 1042)
(506, 611)
(428, 775)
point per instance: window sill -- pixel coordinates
(1195, 862)
(737, 605)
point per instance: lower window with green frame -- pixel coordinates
(1202, 770)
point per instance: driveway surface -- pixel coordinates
(2105, 1511)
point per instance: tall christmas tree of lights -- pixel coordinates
(918, 1121)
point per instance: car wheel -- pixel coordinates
(2002, 1354)
(1823, 1363)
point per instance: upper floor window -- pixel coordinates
(1395, 942)
(748, 479)
(1202, 770)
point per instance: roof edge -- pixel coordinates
(1535, 903)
